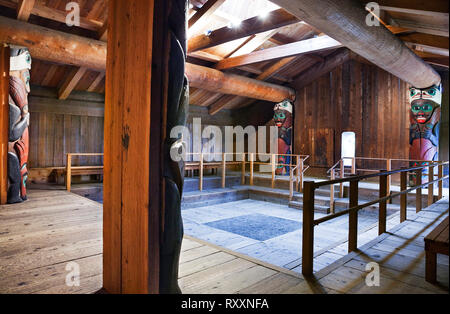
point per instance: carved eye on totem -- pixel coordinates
(413, 92)
(432, 92)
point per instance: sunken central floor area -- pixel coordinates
(40, 237)
(272, 232)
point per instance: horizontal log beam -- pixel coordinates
(217, 81)
(345, 21)
(252, 26)
(294, 49)
(54, 46)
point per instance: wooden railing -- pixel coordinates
(339, 171)
(251, 159)
(70, 170)
(308, 204)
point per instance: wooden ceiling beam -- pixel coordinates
(70, 82)
(294, 49)
(316, 71)
(426, 39)
(225, 83)
(24, 8)
(275, 19)
(438, 30)
(271, 71)
(422, 7)
(201, 16)
(58, 47)
(98, 79)
(376, 44)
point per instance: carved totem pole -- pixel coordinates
(425, 116)
(177, 111)
(283, 120)
(19, 119)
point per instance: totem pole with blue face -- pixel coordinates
(19, 119)
(425, 116)
(283, 120)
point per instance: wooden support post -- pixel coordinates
(430, 186)
(251, 156)
(224, 168)
(382, 205)
(200, 173)
(301, 170)
(419, 191)
(273, 170)
(353, 217)
(68, 172)
(243, 169)
(332, 193)
(135, 127)
(440, 183)
(342, 174)
(403, 197)
(297, 177)
(308, 229)
(353, 166)
(4, 121)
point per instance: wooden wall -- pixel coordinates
(356, 97)
(58, 127)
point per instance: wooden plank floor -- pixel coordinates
(40, 237)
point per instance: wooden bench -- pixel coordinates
(435, 242)
(70, 170)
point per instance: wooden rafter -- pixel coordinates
(201, 16)
(426, 39)
(317, 70)
(49, 75)
(301, 47)
(24, 8)
(71, 82)
(98, 79)
(413, 7)
(265, 75)
(438, 30)
(252, 26)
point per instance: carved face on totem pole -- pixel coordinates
(283, 120)
(425, 116)
(19, 119)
